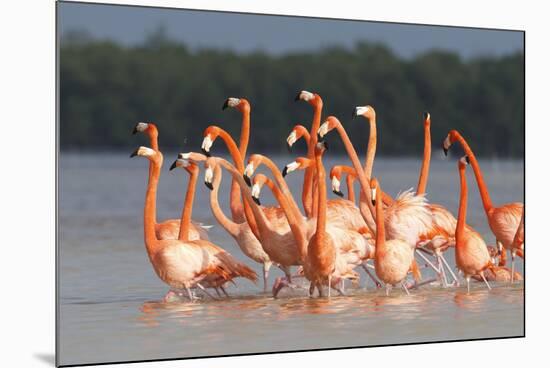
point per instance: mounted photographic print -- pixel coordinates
(234, 184)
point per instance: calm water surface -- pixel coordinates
(110, 297)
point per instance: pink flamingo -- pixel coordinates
(183, 263)
(505, 221)
(393, 258)
(241, 232)
(471, 253)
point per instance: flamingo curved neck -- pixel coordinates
(483, 191)
(259, 224)
(366, 208)
(229, 226)
(282, 184)
(297, 225)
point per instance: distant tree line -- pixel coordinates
(105, 88)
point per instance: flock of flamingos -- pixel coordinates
(331, 238)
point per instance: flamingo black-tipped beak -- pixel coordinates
(467, 160)
(354, 114)
(324, 143)
(134, 153)
(247, 180)
(445, 150)
(225, 105)
(373, 201)
(425, 115)
(208, 185)
(319, 138)
(206, 153)
(338, 193)
(297, 98)
(256, 200)
(173, 166)
(285, 171)
(289, 148)
(134, 131)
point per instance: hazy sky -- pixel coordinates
(276, 34)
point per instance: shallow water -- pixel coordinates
(110, 299)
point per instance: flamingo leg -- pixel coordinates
(405, 287)
(388, 289)
(485, 280)
(225, 292)
(378, 284)
(218, 292)
(468, 283)
(206, 291)
(311, 289)
(426, 260)
(513, 265)
(425, 282)
(329, 284)
(189, 293)
(450, 270)
(267, 266)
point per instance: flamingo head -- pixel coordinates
(297, 132)
(427, 118)
(299, 164)
(210, 135)
(374, 188)
(240, 104)
(258, 182)
(335, 178)
(326, 127)
(253, 162)
(464, 160)
(184, 161)
(311, 98)
(365, 111)
(149, 153)
(449, 140)
(209, 172)
(142, 127)
(321, 147)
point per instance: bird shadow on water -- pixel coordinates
(47, 358)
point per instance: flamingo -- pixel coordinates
(395, 257)
(275, 236)
(274, 214)
(308, 193)
(241, 232)
(169, 229)
(505, 221)
(183, 263)
(471, 253)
